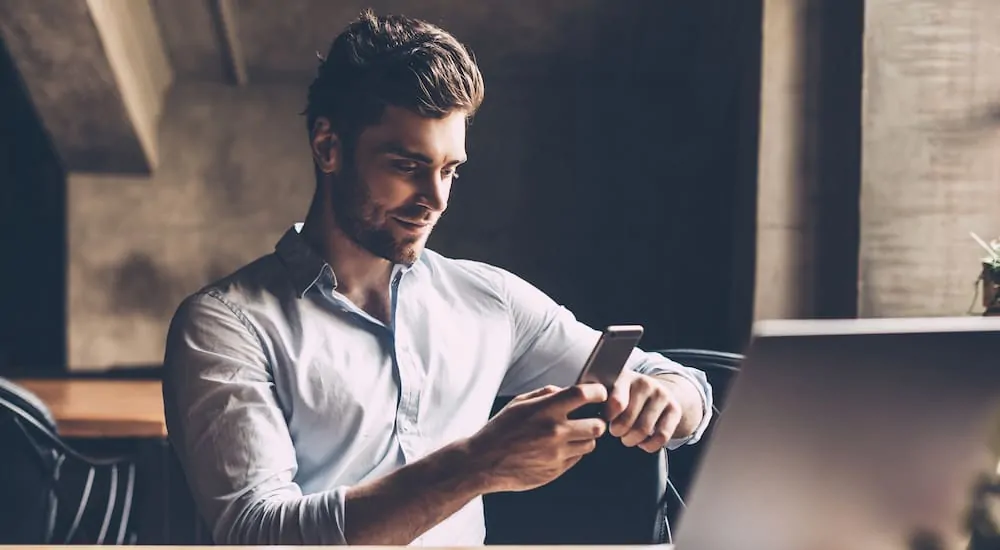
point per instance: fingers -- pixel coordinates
(586, 429)
(623, 422)
(663, 432)
(619, 399)
(540, 392)
(578, 449)
(573, 397)
(646, 423)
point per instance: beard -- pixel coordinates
(366, 223)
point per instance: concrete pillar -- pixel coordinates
(808, 166)
(931, 150)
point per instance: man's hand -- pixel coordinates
(648, 412)
(532, 441)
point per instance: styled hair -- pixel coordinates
(392, 60)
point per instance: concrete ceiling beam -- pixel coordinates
(97, 74)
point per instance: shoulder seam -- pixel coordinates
(505, 298)
(244, 320)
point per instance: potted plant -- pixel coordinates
(990, 275)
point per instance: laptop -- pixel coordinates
(862, 434)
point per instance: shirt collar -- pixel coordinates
(305, 266)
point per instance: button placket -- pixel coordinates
(409, 401)
(408, 430)
(409, 383)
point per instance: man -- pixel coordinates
(339, 389)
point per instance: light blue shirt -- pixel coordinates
(280, 393)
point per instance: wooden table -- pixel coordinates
(102, 408)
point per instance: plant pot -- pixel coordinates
(991, 289)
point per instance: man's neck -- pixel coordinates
(360, 274)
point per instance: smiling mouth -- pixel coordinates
(413, 226)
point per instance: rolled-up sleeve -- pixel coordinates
(230, 434)
(550, 346)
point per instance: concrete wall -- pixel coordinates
(931, 164)
(234, 172)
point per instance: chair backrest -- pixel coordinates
(62, 496)
(721, 368)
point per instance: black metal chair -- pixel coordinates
(615, 495)
(721, 368)
(52, 493)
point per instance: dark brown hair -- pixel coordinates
(392, 60)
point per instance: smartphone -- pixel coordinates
(606, 362)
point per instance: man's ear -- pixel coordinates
(326, 147)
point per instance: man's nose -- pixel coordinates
(434, 192)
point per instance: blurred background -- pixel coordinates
(690, 166)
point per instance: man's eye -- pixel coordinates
(405, 167)
(450, 173)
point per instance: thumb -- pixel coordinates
(618, 400)
(574, 397)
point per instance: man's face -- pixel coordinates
(395, 186)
